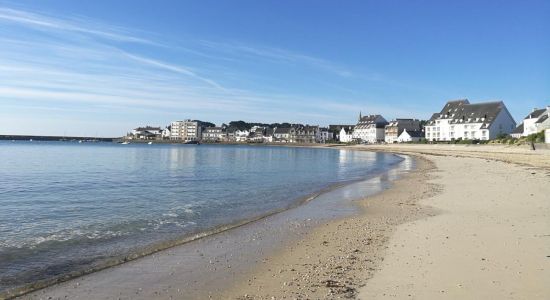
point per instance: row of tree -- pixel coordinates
(242, 125)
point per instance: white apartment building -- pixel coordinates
(461, 120)
(186, 131)
(370, 129)
(213, 134)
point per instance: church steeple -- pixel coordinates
(360, 116)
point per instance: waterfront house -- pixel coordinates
(325, 135)
(213, 134)
(284, 135)
(410, 136)
(242, 135)
(460, 120)
(230, 134)
(536, 121)
(146, 133)
(185, 131)
(268, 135)
(307, 134)
(393, 130)
(336, 129)
(166, 133)
(257, 134)
(346, 134)
(370, 129)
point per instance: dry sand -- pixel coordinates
(490, 241)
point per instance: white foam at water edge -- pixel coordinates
(60, 237)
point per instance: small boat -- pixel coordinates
(125, 143)
(150, 143)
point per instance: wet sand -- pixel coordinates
(336, 259)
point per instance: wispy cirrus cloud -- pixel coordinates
(73, 64)
(278, 55)
(80, 25)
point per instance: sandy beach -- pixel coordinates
(471, 222)
(490, 240)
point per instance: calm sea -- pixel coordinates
(67, 207)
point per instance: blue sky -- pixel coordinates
(104, 67)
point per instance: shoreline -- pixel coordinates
(333, 260)
(380, 251)
(37, 288)
(407, 258)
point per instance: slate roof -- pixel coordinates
(282, 130)
(347, 129)
(369, 118)
(462, 112)
(535, 114)
(147, 128)
(212, 129)
(337, 128)
(402, 121)
(367, 121)
(518, 129)
(416, 133)
(542, 119)
(433, 117)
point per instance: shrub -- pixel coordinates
(502, 136)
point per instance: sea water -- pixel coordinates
(69, 207)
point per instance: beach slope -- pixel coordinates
(491, 239)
